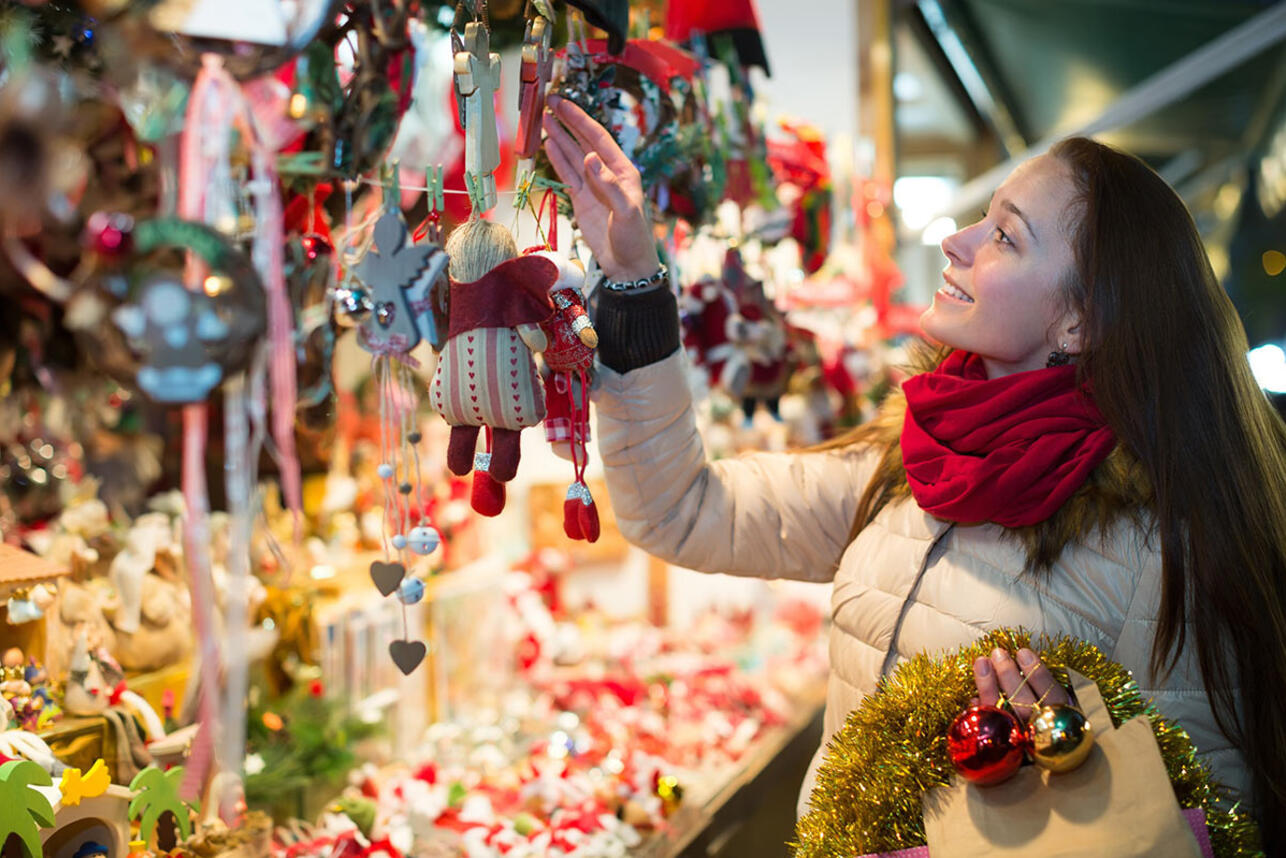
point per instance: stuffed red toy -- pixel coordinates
(569, 355)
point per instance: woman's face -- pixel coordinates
(1000, 292)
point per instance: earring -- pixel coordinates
(1058, 358)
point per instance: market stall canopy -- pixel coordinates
(1197, 88)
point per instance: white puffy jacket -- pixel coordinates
(908, 583)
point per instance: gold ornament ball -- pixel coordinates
(1061, 738)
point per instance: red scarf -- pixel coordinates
(1009, 450)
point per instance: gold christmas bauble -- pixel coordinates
(1061, 738)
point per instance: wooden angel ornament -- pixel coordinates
(406, 287)
(398, 277)
(477, 78)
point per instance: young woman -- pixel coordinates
(1091, 457)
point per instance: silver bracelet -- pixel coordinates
(661, 274)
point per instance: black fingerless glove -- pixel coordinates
(635, 328)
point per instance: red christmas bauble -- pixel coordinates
(110, 234)
(986, 744)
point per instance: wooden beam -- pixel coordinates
(875, 85)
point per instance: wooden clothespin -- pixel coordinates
(477, 187)
(522, 189)
(477, 77)
(559, 188)
(433, 188)
(389, 184)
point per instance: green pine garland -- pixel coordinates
(314, 744)
(893, 748)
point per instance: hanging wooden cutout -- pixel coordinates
(387, 576)
(173, 327)
(477, 78)
(537, 66)
(407, 655)
(389, 270)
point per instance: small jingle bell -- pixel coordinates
(1061, 738)
(411, 591)
(986, 745)
(399, 541)
(423, 540)
(352, 305)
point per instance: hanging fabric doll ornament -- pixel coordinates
(400, 279)
(569, 357)
(486, 376)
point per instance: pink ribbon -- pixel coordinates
(214, 105)
(208, 107)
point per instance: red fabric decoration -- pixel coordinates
(708, 16)
(684, 19)
(1008, 450)
(511, 294)
(660, 62)
(306, 213)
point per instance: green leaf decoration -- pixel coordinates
(23, 811)
(312, 749)
(155, 792)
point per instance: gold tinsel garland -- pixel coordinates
(893, 748)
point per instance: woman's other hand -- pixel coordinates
(1000, 674)
(605, 189)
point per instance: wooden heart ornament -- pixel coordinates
(387, 577)
(407, 655)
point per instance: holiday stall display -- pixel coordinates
(272, 351)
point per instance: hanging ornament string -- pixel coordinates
(244, 398)
(267, 254)
(550, 239)
(399, 277)
(216, 108)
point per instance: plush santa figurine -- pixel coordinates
(713, 331)
(569, 355)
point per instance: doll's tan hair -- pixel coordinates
(477, 246)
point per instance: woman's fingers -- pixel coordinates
(590, 134)
(604, 183)
(984, 676)
(564, 154)
(1011, 682)
(1042, 683)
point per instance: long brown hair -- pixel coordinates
(1165, 355)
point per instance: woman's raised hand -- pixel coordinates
(605, 189)
(999, 674)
